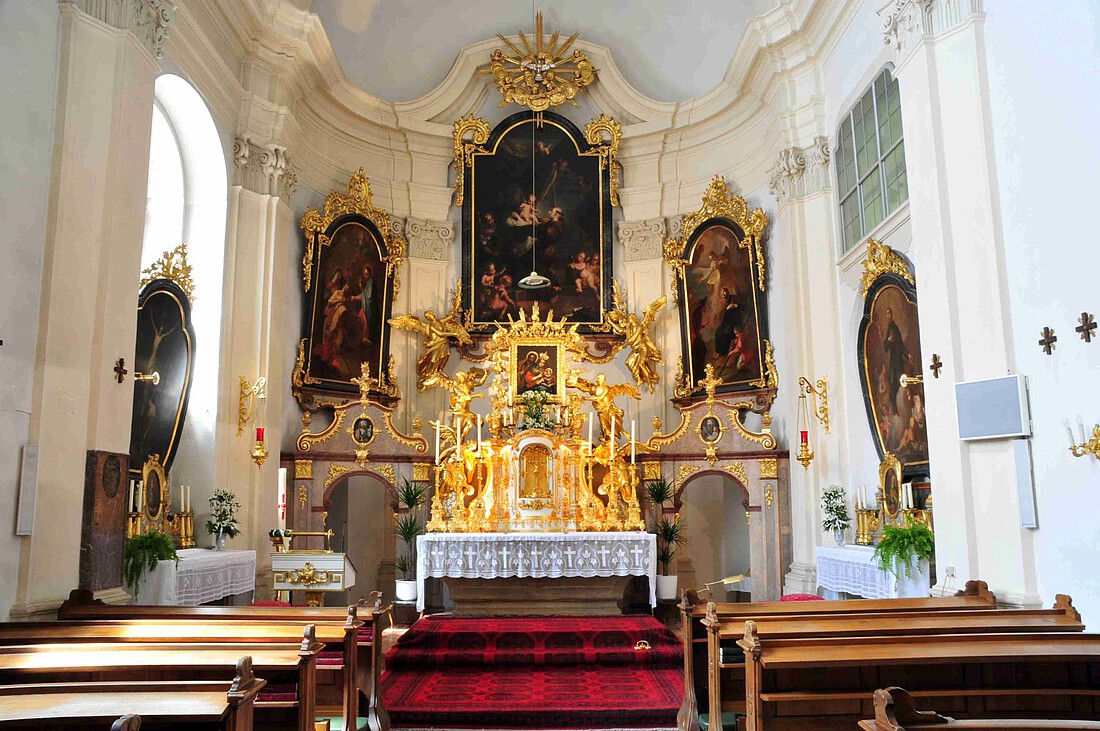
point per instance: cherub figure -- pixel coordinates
(644, 353)
(438, 333)
(603, 395)
(461, 387)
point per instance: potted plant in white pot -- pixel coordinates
(408, 526)
(223, 517)
(835, 507)
(670, 537)
(907, 550)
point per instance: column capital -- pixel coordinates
(263, 169)
(642, 240)
(147, 20)
(906, 22)
(801, 171)
(427, 239)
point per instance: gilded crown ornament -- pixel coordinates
(540, 76)
(881, 259)
(172, 265)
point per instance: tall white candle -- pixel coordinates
(590, 420)
(479, 433)
(130, 505)
(437, 442)
(187, 499)
(633, 444)
(1069, 431)
(611, 439)
(1081, 429)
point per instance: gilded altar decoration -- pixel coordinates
(644, 353)
(150, 506)
(438, 333)
(350, 268)
(717, 261)
(881, 259)
(604, 134)
(172, 265)
(540, 75)
(538, 199)
(602, 395)
(478, 131)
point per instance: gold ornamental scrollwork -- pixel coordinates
(719, 202)
(421, 472)
(356, 201)
(737, 470)
(663, 439)
(769, 469)
(478, 130)
(335, 472)
(764, 438)
(540, 75)
(387, 471)
(172, 265)
(881, 259)
(303, 469)
(608, 147)
(307, 576)
(685, 471)
(769, 495)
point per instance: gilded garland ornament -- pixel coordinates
(358, 201)
(644, 353)
(881, 259)
(604, 134)
(172, 265)
(438, 335)
(478, 130)
(541, 75)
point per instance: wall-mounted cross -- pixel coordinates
(120, 370)
(1048, 340)
(936, 365)
(1087, 326)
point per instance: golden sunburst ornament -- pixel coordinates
(541, 76)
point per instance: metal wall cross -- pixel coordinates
(936, 365)
(1087, 326)
(120, 370)
(1048, 340)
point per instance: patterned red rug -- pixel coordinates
(537, 672)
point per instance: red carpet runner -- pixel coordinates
(535, 672)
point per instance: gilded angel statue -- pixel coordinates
(644, 353)
(438, 333)
(461, 388)
(603, 395)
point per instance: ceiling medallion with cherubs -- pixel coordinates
(540, 76)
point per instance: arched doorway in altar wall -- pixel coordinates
(361, 518)
(713, 505)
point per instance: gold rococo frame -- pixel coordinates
(889, 464)
(153, 466)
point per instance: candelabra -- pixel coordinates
(1087, 446)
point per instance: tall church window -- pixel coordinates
(870, 160)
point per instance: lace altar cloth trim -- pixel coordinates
(535, 555)
(852, 569)
(201, 576)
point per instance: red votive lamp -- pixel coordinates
(259, 434)
(805, 436)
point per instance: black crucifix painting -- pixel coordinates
(722, 308)
(889, 348)
(538, 202)
(165, 346)
(350, 301)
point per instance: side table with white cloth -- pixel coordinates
(853, 570)
(536, 573)
(202, 576)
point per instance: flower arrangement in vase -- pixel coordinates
(535, 413)
(223, 517)
(835, 506)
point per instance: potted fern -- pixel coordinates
(408, 526)
(835, 507)
(141, 553)
(670, 538)
(907, 550)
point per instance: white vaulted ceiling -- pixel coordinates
(669, 50)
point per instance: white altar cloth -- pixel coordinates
(852, 569)
(202, 576)
(535, 555)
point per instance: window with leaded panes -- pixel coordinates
(870, 160)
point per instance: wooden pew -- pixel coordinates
(143, 662)
(370, 611)
(190, 705)
(342, 636)
(895, 710)
(825, 681)
(1061, 618)
(974, 596)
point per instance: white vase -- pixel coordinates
(666, 587)
(838, 536)
(405, 591)
(219, 541)
(914, 587)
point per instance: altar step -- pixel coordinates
(535, 673)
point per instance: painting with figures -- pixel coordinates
(538, 202)
(350, 301)
(721, 305)
(537, 368)
(890, 348)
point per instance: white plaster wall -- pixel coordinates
(1043, 64)
(28, 54)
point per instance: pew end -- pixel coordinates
(129, 722)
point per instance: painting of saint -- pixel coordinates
(722, 314)
(537, 203)
(362, 431)
(350, 298)
(537, 369)
(890, 349)
(710, 429)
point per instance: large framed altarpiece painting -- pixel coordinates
(888, 348)
(350, 279)
(538, 197)
(720, 282)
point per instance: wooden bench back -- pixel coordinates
(170, 631)
(895, 710)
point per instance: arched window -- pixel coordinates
(870, 160)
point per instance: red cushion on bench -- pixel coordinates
(330, 657)
(366, 633)
(269, 604)
(278, 692)
(801, 598)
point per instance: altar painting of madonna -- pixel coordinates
(349, 305)
(539, 201)
(722, 314)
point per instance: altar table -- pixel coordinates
(202, 576)
(852, 569)
(486, 556)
